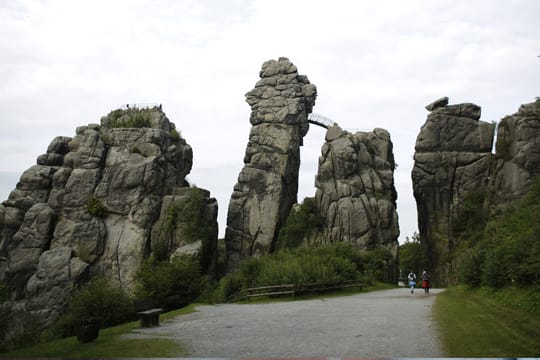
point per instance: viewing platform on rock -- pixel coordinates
(140, 106)
(320, 120)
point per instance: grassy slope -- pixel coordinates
(475, 324)
(109, 344)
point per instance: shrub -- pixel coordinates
(303, 221)
(413, 256)
(130, 118)
(507, 251)
(175, 135)
(20, 326)
(378, 265)
(170, 285)
(469, 270)
(97, 299)
(95, 207)
(326, 263)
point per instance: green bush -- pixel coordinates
(19, 327)
(170, 285)
(303, 221)
(175, 135)
(130, 118)
(412, 256)
(469, 268)
(507, 251)
(96, 299)
(326, 263)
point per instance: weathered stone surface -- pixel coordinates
(175, 234)
(452, 160)
(58, 272)
(355, 191)
(268, 183)
(517, 155)
(437, 103)
(89, 207)
(458, 163)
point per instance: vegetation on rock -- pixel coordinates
(303, 221)
(507, 251)
(95, 207)
(130, 118)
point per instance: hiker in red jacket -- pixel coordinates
(426, 284)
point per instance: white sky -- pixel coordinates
(66, 63)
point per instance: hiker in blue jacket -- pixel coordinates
(412, 281)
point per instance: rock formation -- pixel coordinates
(267, 185)
(89, 205)
(517, 157)
(355, 191)
(454, 164)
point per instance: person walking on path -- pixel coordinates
(412, 281)
(425, 282)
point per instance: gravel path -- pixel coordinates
(388, 323)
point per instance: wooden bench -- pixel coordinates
(150, 318)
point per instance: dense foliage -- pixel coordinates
(322, 264)
(170, 285)
(412, 256)
(303, 221)
(507, 251)
(97, 299)
(130, 118)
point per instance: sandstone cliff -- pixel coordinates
(267, 185)
(355, 191)
(517, 157)
(455, 169)
(89, 205)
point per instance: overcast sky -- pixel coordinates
(66, 63)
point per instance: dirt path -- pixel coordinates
(388, 323)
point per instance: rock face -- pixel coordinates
(517, 157)
(89, 205)
(452, 159)
(267, 185)
(454, 163)
(187, 225)
(355, 191)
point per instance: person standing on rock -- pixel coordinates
(426, 284)
(412, 281)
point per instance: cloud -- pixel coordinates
(376, 64)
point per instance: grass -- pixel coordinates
(476, 323)
(109, 344)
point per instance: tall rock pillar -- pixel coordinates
(451, 164)
(267, 185)
(355, 194)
